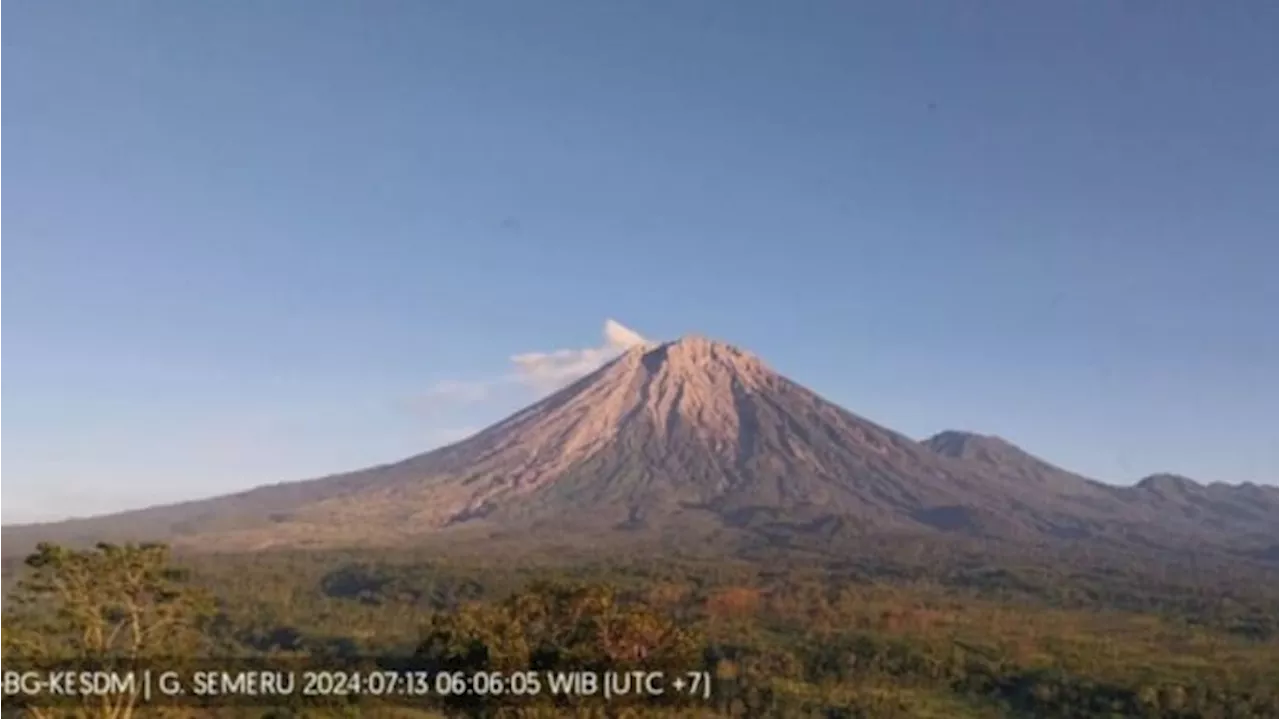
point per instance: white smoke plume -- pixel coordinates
(544, 371)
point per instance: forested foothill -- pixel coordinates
(896, 629)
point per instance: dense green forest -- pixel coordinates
(898, 630)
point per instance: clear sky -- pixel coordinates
(261, 241)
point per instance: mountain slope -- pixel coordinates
(1246, 512)
(1002, 456)
(691, 426)
(993, 456)
(695, 437)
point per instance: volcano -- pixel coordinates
(694, 437)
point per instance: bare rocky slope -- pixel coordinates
(698, 438)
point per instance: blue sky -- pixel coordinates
(252, 242)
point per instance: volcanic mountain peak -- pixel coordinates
(692, 435)
(694, 358)
(690, 386)
(691, 383)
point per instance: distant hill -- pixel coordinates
(698, 439)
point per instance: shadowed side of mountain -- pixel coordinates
(1072, 506)
(1154, 510)
(1008, 459)
(1246, 510)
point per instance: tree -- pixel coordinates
(554, 627)
(109, 606)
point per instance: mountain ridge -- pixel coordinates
(699, 437)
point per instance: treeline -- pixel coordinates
(858, 638)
